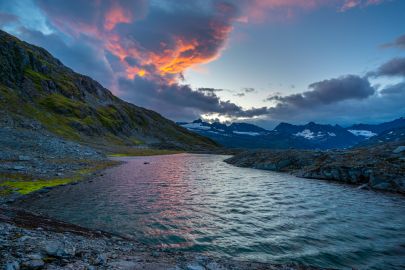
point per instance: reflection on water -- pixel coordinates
(199, 203)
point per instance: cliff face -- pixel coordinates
(38, 89)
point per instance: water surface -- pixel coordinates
(199, 203)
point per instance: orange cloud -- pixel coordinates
(117, 14)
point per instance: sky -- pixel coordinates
(257, 61)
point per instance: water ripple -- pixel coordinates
(199, 203)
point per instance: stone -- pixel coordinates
(35, 256)
(101, 259)
(18, 168)
(34, 264)
(399, 149)
(122, 265)
(194, 267)
(59, 249)
(12, 266)
(24, 158)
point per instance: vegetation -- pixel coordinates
(24, 184)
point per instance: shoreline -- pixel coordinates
(380, 169)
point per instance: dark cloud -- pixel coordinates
(6, 18)
(180, 101)
(249, 90)
(394, 67)
(396, 89)
(398, 43)
(328, 92)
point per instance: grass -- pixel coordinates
(25, 187)
(145, 152)
(25, 184)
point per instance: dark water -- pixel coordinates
(199, 203)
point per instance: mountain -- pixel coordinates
(243, 135)
(36, 87)
(368, 131)
(390, 135)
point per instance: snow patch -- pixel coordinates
(196, 126)
(331, 134)
(246, 133)
(306, 133)
(363, 133)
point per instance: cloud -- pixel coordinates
(349, 4)
(180, 101)
(328, 92)
(396, 89)
(398, 43)
(141, 48)
(6, 18)
(394, 67)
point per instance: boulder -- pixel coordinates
(59, 249)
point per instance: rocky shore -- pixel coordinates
(380, 167)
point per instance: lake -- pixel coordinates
(198, 203)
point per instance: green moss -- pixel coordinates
(110, 118)
(36, 78)
(25, 184)
(25, 187)
(62, 105)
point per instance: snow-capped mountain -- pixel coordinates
(309, 136)
(368, 131)
(244, 135)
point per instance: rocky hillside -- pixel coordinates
(36, 89)
(381, 167)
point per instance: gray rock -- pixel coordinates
(12, 266)
(194, 267)
(35, 256)
(399, 149)
(101, 259)
(34, 264)
(122, 265)
(18, 168)
(59, 249)
(24, 158)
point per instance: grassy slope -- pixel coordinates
(35, 85)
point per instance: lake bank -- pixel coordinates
(380, 167)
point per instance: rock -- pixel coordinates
(34, 264)
(399, 149)
(194, 267)
(383, 186)
(59, 249)
(18, 168)
(24, 158)
(12, 266)
(122, 265)
(35, 256)
(101, 259)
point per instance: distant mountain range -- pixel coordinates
(309, 136)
